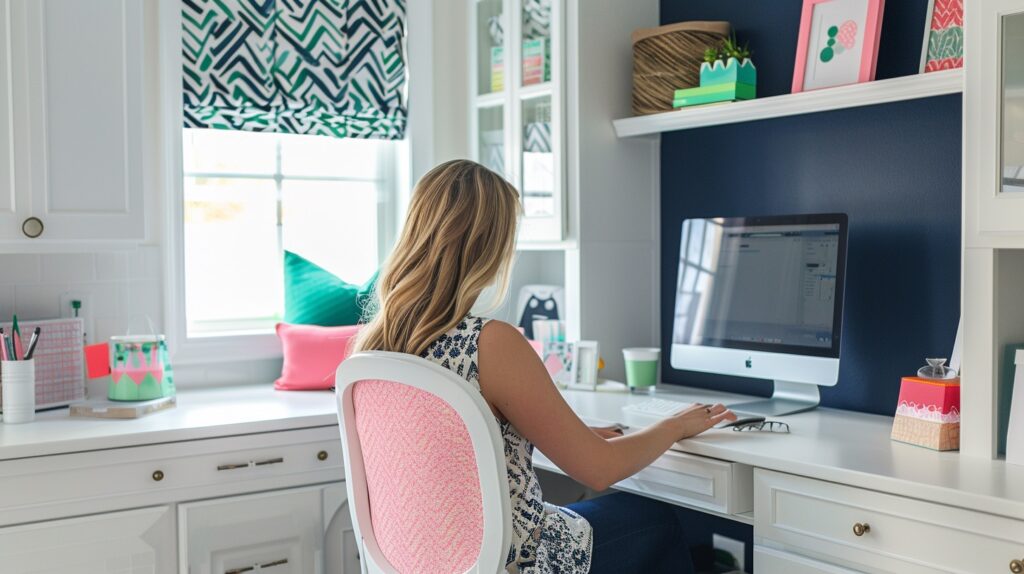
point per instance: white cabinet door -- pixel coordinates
(341, 553)
(132, 542)
(994, 123)
(279, 532)
(516, 118)
(14, 197)
(81, 95)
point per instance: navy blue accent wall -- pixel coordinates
(893, 168)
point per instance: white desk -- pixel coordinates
(237, 477)
(839, 446)
(927, 511)
(200, 414)
(803, 492)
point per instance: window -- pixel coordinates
(250, 196)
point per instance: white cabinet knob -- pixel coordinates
(32, 227)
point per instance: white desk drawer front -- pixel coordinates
(772, 561)
(62, 485)
(880, 532)
(691, 480)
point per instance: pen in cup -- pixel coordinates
(3, 345)
(9, 347)
(32, 343)
(19, 350)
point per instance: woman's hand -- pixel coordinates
(697, 419)
(607, 432)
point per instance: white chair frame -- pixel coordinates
(484, 433)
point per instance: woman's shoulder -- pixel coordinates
(498, 332)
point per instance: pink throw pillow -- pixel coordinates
(312, 355)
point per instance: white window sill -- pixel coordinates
(220, 349)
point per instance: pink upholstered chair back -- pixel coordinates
(426, 472)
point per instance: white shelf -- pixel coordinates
(491, 100)
(852, 96)
(535, 91)
(564, 245)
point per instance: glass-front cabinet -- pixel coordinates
(517, 122)
(994, 123)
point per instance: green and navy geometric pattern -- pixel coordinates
(325, 67)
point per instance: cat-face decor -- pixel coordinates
(538, 302)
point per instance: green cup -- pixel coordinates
(641, 367)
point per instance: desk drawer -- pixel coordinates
(698, 481)
(902, 535)
(771, 561)
(80, 483)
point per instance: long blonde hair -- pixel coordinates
(458, 239)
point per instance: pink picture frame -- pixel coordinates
(858, 28)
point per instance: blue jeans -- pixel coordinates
(635, 534)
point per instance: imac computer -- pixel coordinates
(762, 297)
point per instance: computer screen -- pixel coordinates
(764, 283)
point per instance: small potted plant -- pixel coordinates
(727, 74)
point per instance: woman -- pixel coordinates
(459, 238)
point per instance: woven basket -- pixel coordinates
(668, 58)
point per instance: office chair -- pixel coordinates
(424, 467)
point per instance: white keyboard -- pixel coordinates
(655, 408)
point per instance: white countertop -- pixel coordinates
(200, 414)
(838, 446)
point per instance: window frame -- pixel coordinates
(208, 348)
(384, 180)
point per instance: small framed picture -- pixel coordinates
(584, 365)
(943, 36)
(838, 43)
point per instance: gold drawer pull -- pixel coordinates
(158, 475)
(322, 455)
(268, 461)
(861, 529)
(279, 562)
(1016, 566)
(250, 464)
(233, 466)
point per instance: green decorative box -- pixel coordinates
(732, 72)
(141, 370)
(714, 93)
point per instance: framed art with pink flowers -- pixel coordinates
(838, 43)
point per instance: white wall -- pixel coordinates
(615, 180)
(119, 289)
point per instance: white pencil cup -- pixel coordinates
(19, 390)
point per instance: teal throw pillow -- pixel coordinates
(315, 296)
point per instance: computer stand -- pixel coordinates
(788, 398)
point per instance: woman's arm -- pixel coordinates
(517, 386)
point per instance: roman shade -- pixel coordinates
(325, 67)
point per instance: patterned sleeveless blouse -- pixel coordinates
(545, 538)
